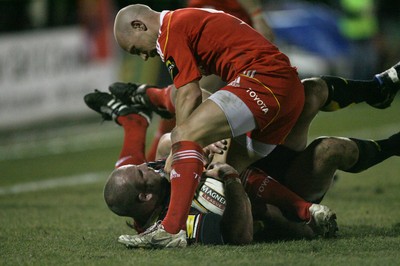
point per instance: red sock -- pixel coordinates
(135, 127)
(187, 167)
(262, 188)
(165, 126)
(161, 97)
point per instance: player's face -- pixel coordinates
(141, 43)
(143, 53)
(150, 191)
(146, 179)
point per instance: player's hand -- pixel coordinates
(168, 165)
(218, 147)
(221, 171)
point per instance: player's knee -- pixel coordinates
(335, 150)
(316, 92)
(164, 146)
(184, 132)
(177, 134)
(194, 132)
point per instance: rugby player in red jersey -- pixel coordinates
(263, 98)
(251, 12)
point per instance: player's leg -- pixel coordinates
(133, 120)
(206, 125)
(159, 100)
(316, 94)
(311, 172)
(378, 92)
(329, 93)
(372, 152)
(133, 146)
(275, 226)
(263, 189)
(164, 126)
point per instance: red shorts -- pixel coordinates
(275, 100)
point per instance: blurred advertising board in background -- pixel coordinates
(44, 74)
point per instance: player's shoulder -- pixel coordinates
(193, 14)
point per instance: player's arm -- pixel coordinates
(237, 220)
(188, 98)
(255, 10)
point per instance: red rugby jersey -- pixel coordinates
(195, 42)
(232, 7)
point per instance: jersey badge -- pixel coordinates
(172, 68)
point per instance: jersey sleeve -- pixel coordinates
(181, 65)
(176, 45)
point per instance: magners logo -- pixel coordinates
(214, 197)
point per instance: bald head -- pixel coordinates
(136, 29)
(124, 18)
(135, 191)
(120, 193)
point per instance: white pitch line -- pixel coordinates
(53, 183)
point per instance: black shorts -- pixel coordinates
(277, 162)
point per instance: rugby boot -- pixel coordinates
(155, 237)
(323, 221)
(135, 94)
(111, 108)
(389, 86)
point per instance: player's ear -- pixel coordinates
(138, 25)
(145, 196)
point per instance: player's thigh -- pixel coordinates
(164, 146)
(223, 115)
(316, 93)
(207, 124)
(303, 178)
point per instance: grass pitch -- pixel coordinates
(52, 210)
